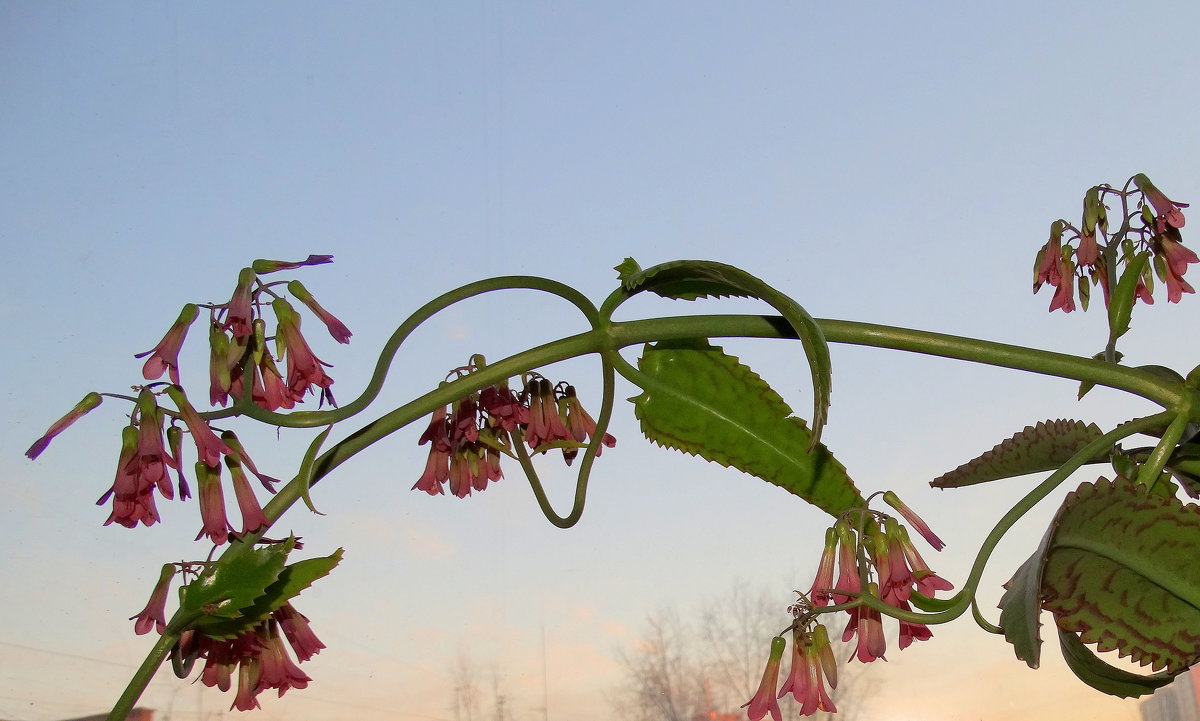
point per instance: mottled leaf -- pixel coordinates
(692, 279)
(699, 400)
(1104, 677)
(1120, 571)
(1041, 447)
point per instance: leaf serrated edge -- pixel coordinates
(1043, 431)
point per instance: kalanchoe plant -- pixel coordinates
(1114, 568)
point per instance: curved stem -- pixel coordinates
(1150, 471)
(310, 419)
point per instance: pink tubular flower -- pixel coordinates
(165, 355)
(155, 614)
(764, 700)
(503, 408)
(1088, 251)
(848, 581)
(304, 368)
(867, 624)
(141, 470)
(209, 448)
(545, 425)
(1167, 211)
(913, 520)
(579, 424)
(1176, 260)
(820, 594)
(215, 524)
(252, 513)
(278, 671)
(927, 582)
(337, 328)
(1064, 294)
(90, 401)
(812, 662)
(270, 266)
(301, 637)
(239, 312)
(437, 468)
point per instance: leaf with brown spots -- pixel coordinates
(1041, 447)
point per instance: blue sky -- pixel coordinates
(877, 161)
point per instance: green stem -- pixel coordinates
(607, 339)
(133, 691)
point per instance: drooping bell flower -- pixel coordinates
(1176, 259)
(545, 425)
(252, 513)
(299, 634)
(209, 448)
(913, 520)
(821, 592)
(214, 521)
(305, 370)
(764, 700)
(175, 443)
(579, 424)
(239, 312)
(89, 402)
(337, 328)
(165, 355)
(437, 467)
(867, 624)
(1167, 211)
(155, 614)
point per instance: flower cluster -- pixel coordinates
(239, 354)
(812, 665)
(1150, 228)
(871, 555)
(258, 658)
(467, 438)
(239, 348)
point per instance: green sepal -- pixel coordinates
(702, 401)
(692, 279)
(1124, 295)
(229, 588)
(291, 581)
(1103, 677)
(1041, 447)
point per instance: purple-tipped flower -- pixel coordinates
(304, 368)
(90, 401)
(165, 355)
(209, 448)
(913, 520)
(252, 513)
(1168, 213)
(764, 700)
(270, 266)
(155, 614)
(337, 328)
(214, 521)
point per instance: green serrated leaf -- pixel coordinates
(233, 586)
(1041, 447)
(292, 580)
(1103, 677)
(691, 279)
(1020, 607)
(699, 400)
(1121, 573)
